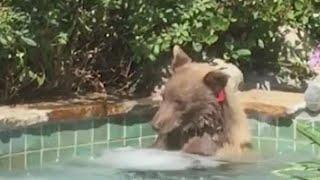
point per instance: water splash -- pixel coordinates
(152, 159)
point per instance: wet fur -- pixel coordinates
(210, 128)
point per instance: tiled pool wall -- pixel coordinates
(281, 135)
(35, 147)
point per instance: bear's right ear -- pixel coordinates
(179, 58)
(216, 80)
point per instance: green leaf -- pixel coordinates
(255, 15)
(260, 43)
(235, 56)
(226, 56)
(156, 49)
(3, 41)
(290, 14)
(298, 4)
(185, 33)
(307, 131)
(152, 57)
(198, 24)
(169, 10)
(300, 170)
(211, 39)
(197, 46)
(32, 75)
(219, 23)
(305, 20)
(62, 38)
(233, 20)
(29, 41)
(243, 52)
(271, 34)
(229, 45)
(40, 80)
(164, 19)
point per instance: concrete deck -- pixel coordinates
(274, 104)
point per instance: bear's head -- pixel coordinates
(194, 91)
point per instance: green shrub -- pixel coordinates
(75, 45)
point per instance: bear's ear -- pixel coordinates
(179, 58)
(216, 80)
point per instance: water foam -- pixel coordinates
(153, 159)
(118, 164)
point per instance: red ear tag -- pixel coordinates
(220, 96)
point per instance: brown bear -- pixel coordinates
(200, 112)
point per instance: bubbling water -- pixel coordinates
(153, 159)
(119, 164)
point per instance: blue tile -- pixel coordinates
(50, 136)
(84, 132)
(116, 129)
(49, 156)
(132, 142)
(18, 141)
(115, 144)
(100, 131)
(84, 151)
(4, 163)
(147, 130)
(4, 142)
(67, 134)
(33, 136)
(33, 160)
(18, 162)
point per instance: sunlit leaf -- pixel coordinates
(260, 43)
(243, 52)
(197, 46)
(29, 41)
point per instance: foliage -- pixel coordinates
(261, 27)
(308, 131)
(75, 45)
(302, 170)
(14, 38)
(308, 169)
(48, 44)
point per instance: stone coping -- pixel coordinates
(274, 104)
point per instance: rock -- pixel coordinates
(236, 76)
(272, 104)
(312, 95)
(19, 117)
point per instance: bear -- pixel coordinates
(200, 113)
